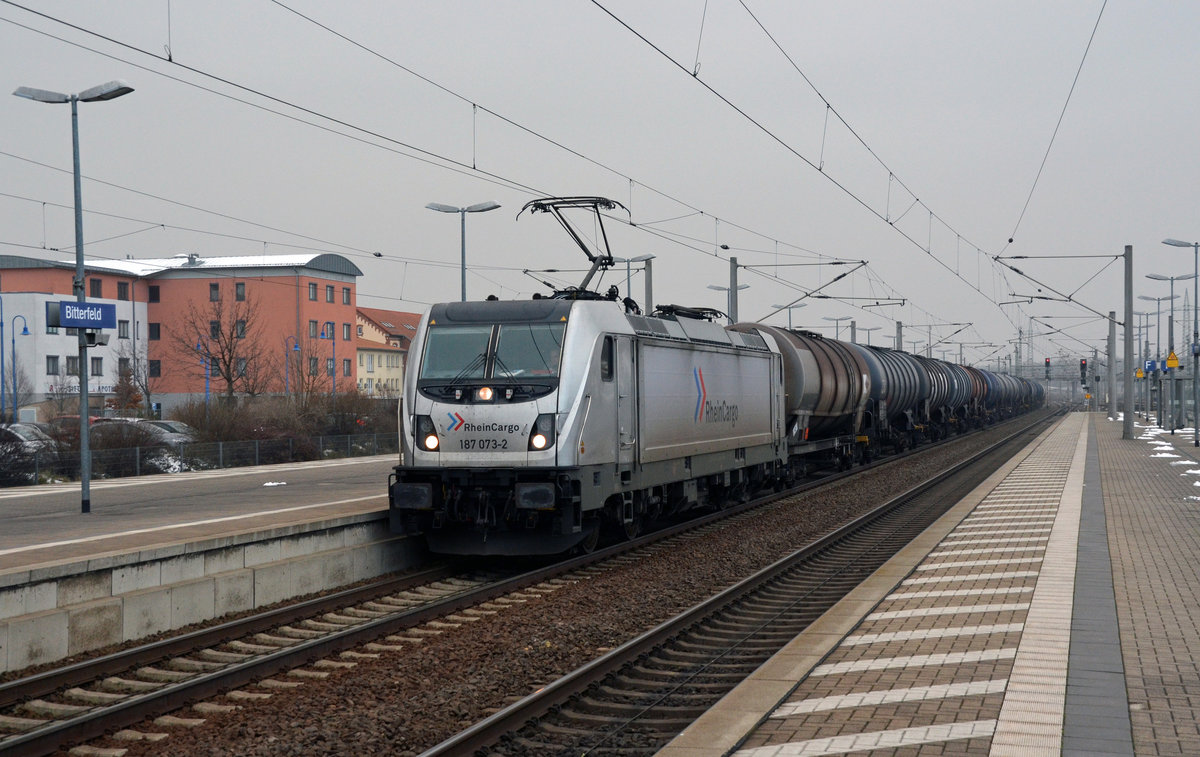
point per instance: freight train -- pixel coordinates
(534, 427)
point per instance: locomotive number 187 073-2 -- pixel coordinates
(482, 444)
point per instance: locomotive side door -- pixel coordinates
(626, 372)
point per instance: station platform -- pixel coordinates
(1054, 611)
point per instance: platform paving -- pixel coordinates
(1053, 611)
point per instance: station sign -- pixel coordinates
(1150, 366)
(73, 314)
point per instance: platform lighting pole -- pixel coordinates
(1158, 301)
(869, 329)
(1110, 374)
(1195, 334)
(789, 309)
(629, 270)
(481, 207)
(837, 328)
(109, 91)
(1171, 416)
(24, 332)
(730, 299)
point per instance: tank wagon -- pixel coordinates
(532, 427)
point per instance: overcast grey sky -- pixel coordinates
(709, 120)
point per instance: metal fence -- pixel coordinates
(42, 467)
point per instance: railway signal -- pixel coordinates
(1083, 371)
(1047, 369)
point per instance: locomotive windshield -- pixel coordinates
(510, 350)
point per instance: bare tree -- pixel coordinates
(223, 340)
(63, 395)
(145, 380)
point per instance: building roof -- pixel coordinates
(151, 267)
(394, 322)
(367, 344)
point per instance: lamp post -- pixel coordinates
(628, 270)
(109, 91)
(1158, 301)
(1195, 333)
(790, 308)
(869, 329)
(1172, 399)
(287, 362)
(24, 332)
(730, 294)
(332, 337)
(837, 329)
(481, 207)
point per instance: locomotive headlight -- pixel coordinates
(484, 394)
(427, 438)
(541, 435)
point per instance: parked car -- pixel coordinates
(28, 437)
(186, 433)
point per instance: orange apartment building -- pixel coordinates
(190, 326)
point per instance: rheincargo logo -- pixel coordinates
(458, 424)
(711, 412)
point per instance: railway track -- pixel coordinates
(42, 713)
(639, 696)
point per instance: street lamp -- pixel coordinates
(790, 308)
(481, 207)
(869, 329)
(627, 262)
(24, 332)
(1158, 301)
(1171, 339)
(287, 362)
(109, 91)
(332, 337)
(1195, 334)
(837, 329)
(730, 294)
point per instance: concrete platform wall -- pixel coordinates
(51, 612)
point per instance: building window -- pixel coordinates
(313, 365)
(329, 292)
(122, 329)
(52, 365)
(327, 332)
(214, 292)
(346, 366)
(153, 296)
(329, 367)
(241, 330)
(345, 295)
(122, 290)
(241, 366)
(155, 331)
(72, 365)
(72, 332)
(312, 291)
(312, 329)
(360, 330)
(122, 366)
(154, 369)
(97, 366)
(214, 329)
(345, 332)
(95, 288)
(51, 329)
(370, 363)
(239, 291)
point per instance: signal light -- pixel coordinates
(1047, 368)
(1083, 371)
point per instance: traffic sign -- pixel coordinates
(1172, 361)
(1139, 373)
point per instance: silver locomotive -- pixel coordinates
(532, 427)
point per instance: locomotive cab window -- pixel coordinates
(506, 351)
(606, 359)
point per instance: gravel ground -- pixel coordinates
(406, 701)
